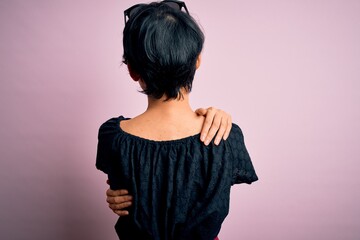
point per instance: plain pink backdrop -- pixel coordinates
(287, 71)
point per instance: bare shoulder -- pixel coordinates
(163, 128)
(133, 126)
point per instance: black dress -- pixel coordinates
(180, 187)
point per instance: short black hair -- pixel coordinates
(162, 44)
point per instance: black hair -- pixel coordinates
(162, 44)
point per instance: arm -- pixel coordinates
(216, 122)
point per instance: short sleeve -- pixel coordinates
(243, 169)
(106, 136)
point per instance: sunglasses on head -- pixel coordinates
(178, 5)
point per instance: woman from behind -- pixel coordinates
(180, 186)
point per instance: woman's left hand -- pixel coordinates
(216, 121)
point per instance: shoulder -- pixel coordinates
(110, 127)
(236, 133)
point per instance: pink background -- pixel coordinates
(287, 71)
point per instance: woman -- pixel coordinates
(180, 186)
(217, 122)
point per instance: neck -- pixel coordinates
(170, 107)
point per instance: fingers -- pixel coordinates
(208, 123)
(121, 213)
(117, 196)
(118, 200)
(116, 204)
(216, 122)
(220, 132)
(228, 128)
(120, 207)
(201, 111)
(224, 130)
(216, 126)
(115, 193)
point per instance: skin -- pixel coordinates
(183, 122)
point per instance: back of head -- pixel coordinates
(161, 45)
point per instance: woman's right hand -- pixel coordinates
(118, 201)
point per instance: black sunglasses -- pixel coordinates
(178, 5)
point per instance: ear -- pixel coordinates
(133, 75)
(136, 77)
(198, 61)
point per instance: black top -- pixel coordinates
(180, 187)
